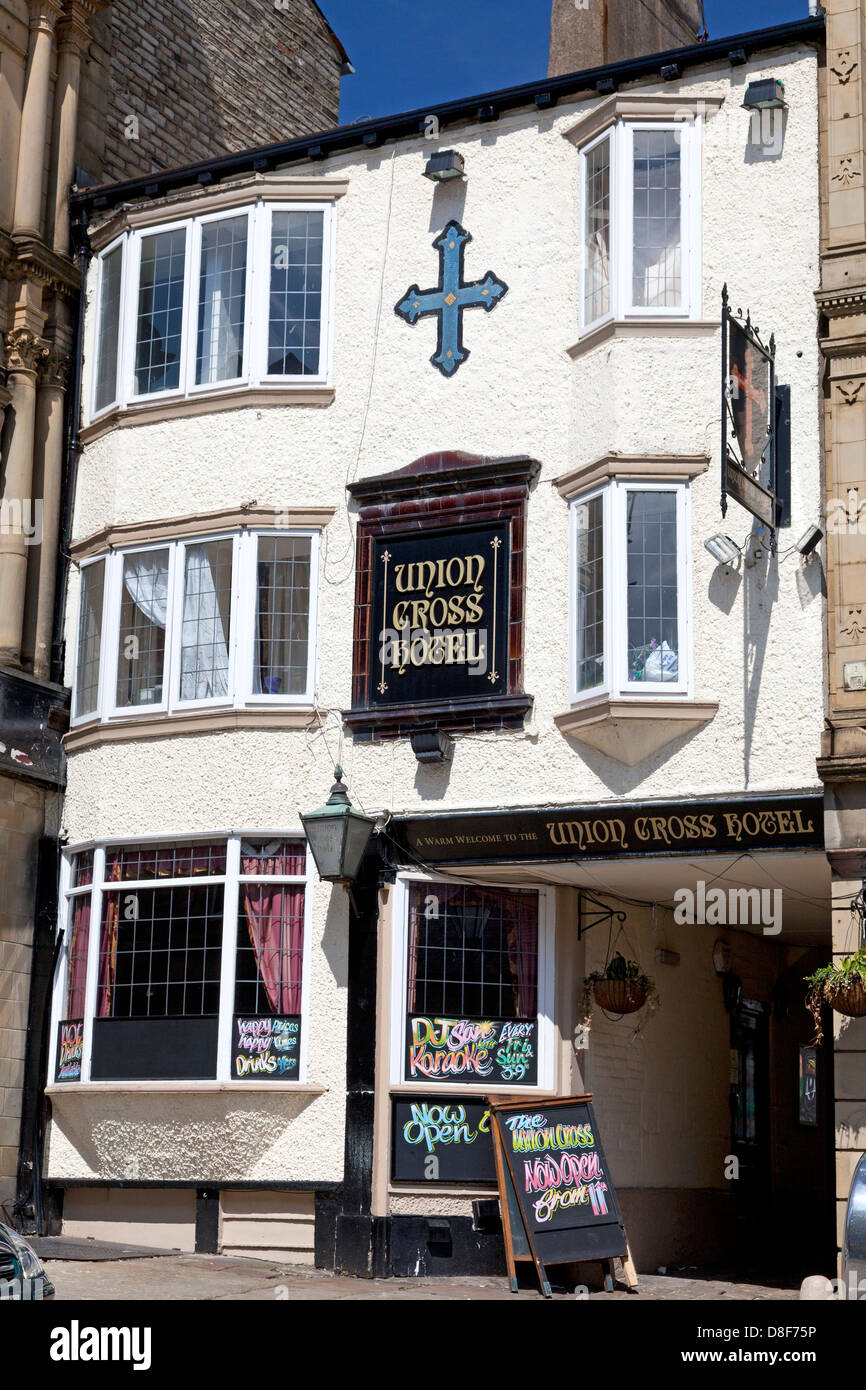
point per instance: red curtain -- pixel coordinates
(275, 920)
(108, 944)
(77, 975)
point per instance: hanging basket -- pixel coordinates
(619, 996)
(849, 1000)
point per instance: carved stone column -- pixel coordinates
(25, 351)
(47, 479)
(34, 117)
(73, 36)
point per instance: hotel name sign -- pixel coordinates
(440, 614)
(713, 827)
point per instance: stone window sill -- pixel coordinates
(172, 725)
(246, 397)
(191, 1088)
(631, 730)
(644, 328)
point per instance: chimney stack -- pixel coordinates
(590, 33)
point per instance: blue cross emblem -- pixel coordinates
(450, 297)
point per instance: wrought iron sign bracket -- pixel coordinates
(602, 913)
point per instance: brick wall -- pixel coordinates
(202, 78)
(22, 817)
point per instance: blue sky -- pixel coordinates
(408, 54)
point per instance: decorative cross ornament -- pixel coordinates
(450, 297)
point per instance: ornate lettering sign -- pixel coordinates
(705, 827)
(439, 596)
(440, 604)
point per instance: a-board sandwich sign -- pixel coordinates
(559, 1205)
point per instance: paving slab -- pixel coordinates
(222, 1278)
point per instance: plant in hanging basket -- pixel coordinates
(621, 988)
(842, 985)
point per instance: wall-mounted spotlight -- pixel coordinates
(810, 540)
(767, 95)
(723, 549)
(444, 166)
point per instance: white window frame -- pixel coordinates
(257, 307)
(621, 137)
(242, 630)
(546, 1079)
(100, 690)
(615, 564)
(231, 881)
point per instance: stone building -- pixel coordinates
(109, 90)
(331, 511)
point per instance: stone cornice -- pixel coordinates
(839, 303)
(252, 517)
(641, 106)
(654, 467)
(37, 261)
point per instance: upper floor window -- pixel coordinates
(641, 222)
(631, 597)
(216, 622)
(217, 301)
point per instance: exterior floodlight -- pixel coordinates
(444, 166)
(338, 835)
(722, 548)
(767, 95)
(809, 540)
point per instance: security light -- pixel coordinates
(809, 540)
(722, 548)
(444, 166)
(766, 95)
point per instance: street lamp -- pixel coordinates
(338, 835)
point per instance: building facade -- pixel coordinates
(374, 476)
(88, 92)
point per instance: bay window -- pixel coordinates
(640, 237)
(225, 621)
(472, 985)
(185, 962)
(220, 301)
(631, 600)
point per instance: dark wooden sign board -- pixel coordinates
(557, 1202)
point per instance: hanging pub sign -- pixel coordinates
(265, 1048)
(441, 1139)
(748, 418)
(556, 1195)
(807, 1087)
(439, 595)
(70, 1049)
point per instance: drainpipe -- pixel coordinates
(82, 249)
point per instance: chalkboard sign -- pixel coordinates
(266, 1048)
(558, 1201)
(441, 1139)
(70, 1047)
(472, 1050)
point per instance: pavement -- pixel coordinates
(215, 1278)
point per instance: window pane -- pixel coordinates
(78, 937)
(296, 293)
(160, 312)
(222, 300)
(109, 328)
(596, 290)
(207, 600)
(653, 614)
(141, 646)
(280, 656)
(89, 638)
(657, 274)
(270, 952)
(590, 594)
(137, 862)
(473, 953)
(160, 952)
